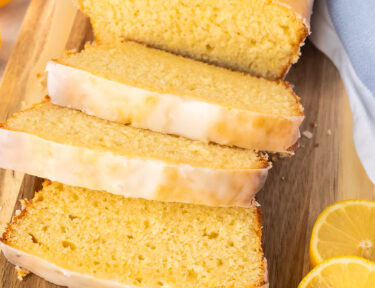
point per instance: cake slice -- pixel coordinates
(85, 238)
(153, 89)
(71, 147)
(262, 37)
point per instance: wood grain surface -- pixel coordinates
(11, 16)
(325, 168)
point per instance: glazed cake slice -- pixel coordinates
(262, 37)
(71, 147)
(85, 238)
(153, 89)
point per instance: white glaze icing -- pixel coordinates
(55, 274)
(60, 276)
(302, 8)
(130, 177)
(195, 119)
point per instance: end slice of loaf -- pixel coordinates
(71, 147)
(84, 238)
(148, 88)
(262, 37)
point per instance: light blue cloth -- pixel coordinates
(355, 24)
(345, 31)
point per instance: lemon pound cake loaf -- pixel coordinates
(149, 88)
(71, 147)
(262, 37)
(85, 238)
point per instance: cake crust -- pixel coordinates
(104, 170)
(198, 120)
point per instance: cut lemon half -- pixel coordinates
(341, 272)
(346, 228)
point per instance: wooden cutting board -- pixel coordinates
(324, 170)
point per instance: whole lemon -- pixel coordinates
(4, 2)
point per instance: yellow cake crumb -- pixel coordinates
(262, 37)
(139, 242)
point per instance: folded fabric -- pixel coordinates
(343, 30)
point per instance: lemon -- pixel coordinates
(346, 228)
(4, 2)
(341, 272)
